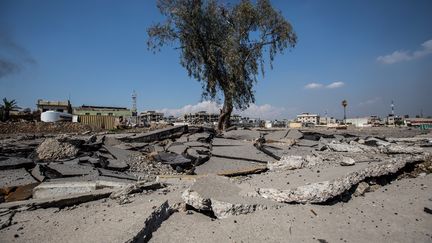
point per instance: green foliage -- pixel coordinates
(7, 107)
(221, 46)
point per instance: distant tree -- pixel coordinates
(223, 46)
(7, 107)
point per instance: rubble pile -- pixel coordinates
(25, 127)
(196, 170)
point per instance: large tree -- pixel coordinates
(223, 46)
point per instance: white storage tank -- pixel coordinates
(55, 116)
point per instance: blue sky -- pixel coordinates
(368, 52)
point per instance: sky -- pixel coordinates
(94, 52)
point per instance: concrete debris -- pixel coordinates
(222, 197)
(347, 161)
(63, 188)
(51, 150)
(7, 163)
(325, 190)
(361, 189)
(343, 147)
(287, 162)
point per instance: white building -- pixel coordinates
(306, 118)
(359, 122)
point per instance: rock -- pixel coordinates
(347, 161)
(361, 189)
(52, 149)
(322, 191)
(115, 164)
(289, 162)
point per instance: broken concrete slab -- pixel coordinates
(70, 169)
(400, 149)
(246, 151)
(177, 148)
(322, 191)
(217, 165)
(343, 147)
(118, 165)
(222, 197)
(276, 135)
(294, 134)
(116, 174)
(249, 135)
(172, 159)
(38, 172)
(291, 162)
(64, 188)
(98, 221)
(59, 202)
(157, 135)
(15, 178)
(7, 163)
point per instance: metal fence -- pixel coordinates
(103, 122)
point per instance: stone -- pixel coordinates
(347, 161)
(361, 189)
(38, 173)
(21, 193)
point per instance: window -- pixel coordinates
(87, 114)
(110, 114)
(98, 114)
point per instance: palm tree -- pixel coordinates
(7, 107)
(344, 104)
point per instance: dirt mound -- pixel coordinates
(52, 149)
(42, 127)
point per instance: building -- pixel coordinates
(418, 121)
(327, 120)
(60, 106)
(102, 111)
(201, 117)
(151, 116)
(307, 118)
(358, 122)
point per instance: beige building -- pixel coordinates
(305, 118)
(60, 106)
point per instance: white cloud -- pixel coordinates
(209, 106)
(335, 85)
(313, 86)
(265, 111)
(401, 55)
(370, 101)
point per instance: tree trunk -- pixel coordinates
(225, 114)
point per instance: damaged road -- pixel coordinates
(147, 184)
